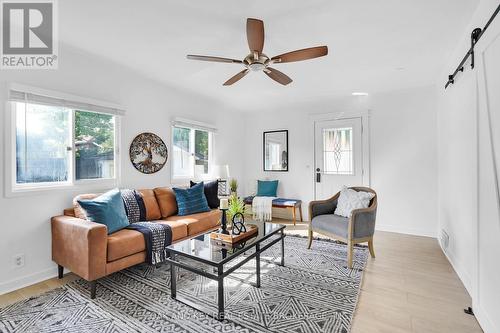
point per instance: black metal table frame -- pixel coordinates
(221, 274)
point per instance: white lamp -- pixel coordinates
(221, 173)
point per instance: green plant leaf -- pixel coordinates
(236, 205)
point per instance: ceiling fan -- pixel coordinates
(258, 61)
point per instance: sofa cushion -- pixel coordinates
(165, 197)
(79, 212)
(69, 212)
(179, 229)
(127, 242)
(152, 208)
(199, 222)
(124, 243)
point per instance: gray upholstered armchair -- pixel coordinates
(359, 228)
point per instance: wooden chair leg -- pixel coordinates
(310, 234)
(93, 287)
(370, 247)
(350, 250)
(293, 215)
(300, 212)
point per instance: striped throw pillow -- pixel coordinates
(191, 200)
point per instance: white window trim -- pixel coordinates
(196, 125)
(11, 189)
(186, 123)
(63, 99)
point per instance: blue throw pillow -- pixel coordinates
(191, 200)
(267, 188)
(107, 209)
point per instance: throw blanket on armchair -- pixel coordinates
(262, 208)
(156, 235)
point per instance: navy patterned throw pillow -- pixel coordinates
(191, 200)
(134, 205)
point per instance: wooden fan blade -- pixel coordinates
(255, 35)
(237, 77)
(213, 59)
(304, 54)
(277, 76)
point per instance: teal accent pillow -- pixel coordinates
(107, 209)
(267, 188)
(191, 200)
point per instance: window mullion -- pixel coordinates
(191, 150)
(116, 147)
(25, 139)
(71, 147)
(210, 151)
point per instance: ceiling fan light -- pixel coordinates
(256, 66)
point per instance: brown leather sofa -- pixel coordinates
(85, 248)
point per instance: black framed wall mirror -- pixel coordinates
(275, 150)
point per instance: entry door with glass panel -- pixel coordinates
(338, 155)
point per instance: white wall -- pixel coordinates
(403, 154)
(474, 229)
(457, 147)
(150, 106)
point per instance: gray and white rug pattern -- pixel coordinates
(314, 292)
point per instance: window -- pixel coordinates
(191, 151)
(42, 140)
(337, 154)
(94, 145)
(57, 143)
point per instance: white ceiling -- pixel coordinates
(375, 45)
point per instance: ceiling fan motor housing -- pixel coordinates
(256, 63)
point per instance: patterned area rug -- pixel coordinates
(315, 292)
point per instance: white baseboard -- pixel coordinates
(484, 320)
(25, 281)
(482, 317)
(406, 231)
(459, 269)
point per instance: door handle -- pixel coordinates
(318, 176)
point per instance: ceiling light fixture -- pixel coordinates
(359, 94)
(257, 61)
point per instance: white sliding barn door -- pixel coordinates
(487, 286)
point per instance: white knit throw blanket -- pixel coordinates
(262, 208)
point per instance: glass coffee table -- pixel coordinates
(201, 250)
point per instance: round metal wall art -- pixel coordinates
(148, 153)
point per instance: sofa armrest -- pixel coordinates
(80, 246)
(322, 207)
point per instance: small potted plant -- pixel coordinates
(236, 205)
(233, 186)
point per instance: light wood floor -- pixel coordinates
(409, 287)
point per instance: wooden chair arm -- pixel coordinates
(321, 202)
